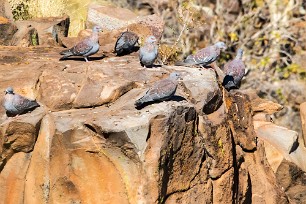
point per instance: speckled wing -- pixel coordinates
(126, 42)
(234, 72)
(160, 91)
(23, 104)
(82, 48)
(203, 57)
(235, 68)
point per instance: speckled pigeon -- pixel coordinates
(234, 72)
(15, 104)
(204, 56)
(160, 91)
(86, 47)
(148, 52)
(126, 43)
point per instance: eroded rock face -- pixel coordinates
(88, 143)
(7, 31)
(40, 31)
(114, 21)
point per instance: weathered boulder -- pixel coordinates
(303, 119)
(292, 179)
(283, 148)
(5, 9)
(41, 31)
(109, 17)
(93, 145)
(281, 141)
(202, 88)
(19, 135)
(114, 20)
(7, 31)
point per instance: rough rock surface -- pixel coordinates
(7, 31)
(113, 21)
(88, 143)
(284, 149)
(40, 31)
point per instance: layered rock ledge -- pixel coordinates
(88, 144)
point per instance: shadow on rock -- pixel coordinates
(173, 98)
(125, 52)
(82, 59)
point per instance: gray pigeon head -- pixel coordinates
(96, 29)
(151, 39)
(9, 90)
(221, 45)
(174, 76)
(239, 53)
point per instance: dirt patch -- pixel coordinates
(9, 59)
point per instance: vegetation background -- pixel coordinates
(271, 32)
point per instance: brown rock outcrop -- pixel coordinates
(114, 20)
(7, 31)
(284, 149)
(40, 31)
(93, 146)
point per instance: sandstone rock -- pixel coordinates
(292, 179)
(5, 9)
(283, 151)
(95, 92)
(303, 119)
(261, 179)
(25, 37)
(284, 141)
(7, 30)
(282, 138)
(12, 178)
(115, 20)
(58, 89)
(269, 107)
(203, 90)
(41, 31)
(240, 112)
(95, 146)
(260, 105)
(108, 17)
(19, 135)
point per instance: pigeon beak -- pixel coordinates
(138, 42)
(180, 78)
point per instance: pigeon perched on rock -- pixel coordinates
(204, 56)
(160, 91)
(234, 72)
(148, 52)
(126, 43)
(86, 47)
(15, 104)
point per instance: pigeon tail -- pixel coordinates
(228, 82)
(143, 100)
(66, 52)
(65, 57)
(181, 63)
(139, 102)
(34, 104)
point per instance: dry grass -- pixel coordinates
(76, 9)
(47, 8)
